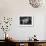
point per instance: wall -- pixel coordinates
(23, 33)
(18, 7)
(45, 29)
(15, 8)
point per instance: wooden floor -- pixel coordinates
(31, 43)
(3, 43)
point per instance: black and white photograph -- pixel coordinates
(26, 20)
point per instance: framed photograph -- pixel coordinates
(26, 20)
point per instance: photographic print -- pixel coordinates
(26, 20)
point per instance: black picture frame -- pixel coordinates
(26, 20)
